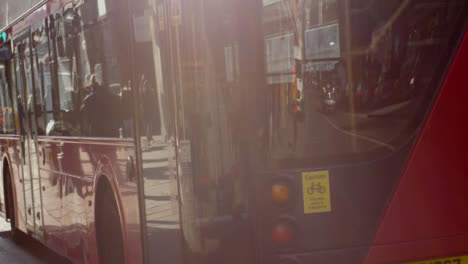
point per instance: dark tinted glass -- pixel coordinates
(104, 76)
(349, 80)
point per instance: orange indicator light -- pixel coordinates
(279, 192)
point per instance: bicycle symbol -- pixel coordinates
(316, 187)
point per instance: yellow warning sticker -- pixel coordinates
(316, 192)
(447, 260)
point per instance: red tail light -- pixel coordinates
(283, 233)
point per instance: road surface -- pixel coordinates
(28, 251)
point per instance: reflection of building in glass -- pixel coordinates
(279, 26)
(279, 56)
(322, 43)
(283, 24)
(363, 56)
(302, 40)
(322, 36)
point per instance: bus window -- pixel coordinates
(44, 91)
(28, 85)
(104, 75)
(7, 121)
(66, 120)
(358, 87)
(13, 9)
(90, 87)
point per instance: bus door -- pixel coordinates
(209, 83)
(159, 193)
(28, 131)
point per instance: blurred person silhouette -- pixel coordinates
(148, 108)
(99, 109)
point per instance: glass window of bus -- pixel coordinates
(355, 93)
(7, 120)
(66, 121)
(44, 84)
(102, 72)
(38, 81)
(23, 78)
(27, 75)
(12, 9)
(13, 90)
(19, 88)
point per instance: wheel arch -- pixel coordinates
(106, 178)
(6, 167)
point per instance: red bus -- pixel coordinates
(170, 131)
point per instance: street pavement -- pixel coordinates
(28, 251)
(161, 202)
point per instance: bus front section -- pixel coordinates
(291, 121)
(276, 131)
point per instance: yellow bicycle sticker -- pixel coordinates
(448, 260)
(316, 192)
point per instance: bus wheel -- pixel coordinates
(108, 227)
(16, 234)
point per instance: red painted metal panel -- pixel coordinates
(13, 156)
(427, 216)
(69, 173)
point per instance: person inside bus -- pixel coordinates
(98, 110)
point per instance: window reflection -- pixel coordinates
(41, 61)
(217, 63)
(7, 120)
(350, 79)
(81, 88)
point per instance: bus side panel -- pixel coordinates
(7, 151)
(51, 179)
(74, 167)
(4, 155)
(427, 216)
(14, 151)
(77, 167)
(112, 161)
